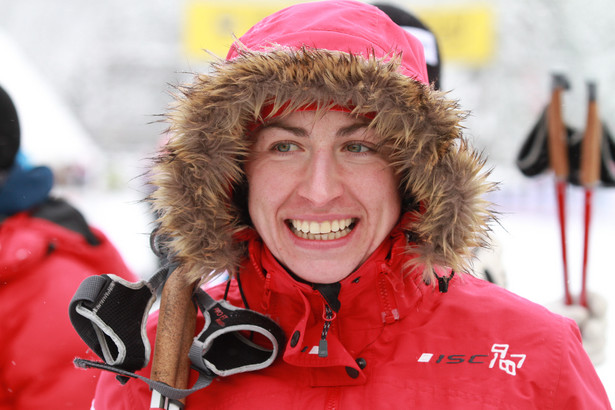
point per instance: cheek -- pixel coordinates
(260, 213)
(265, 193)
(381, 186)
(384, 198)
(262, 181)
(255, 194)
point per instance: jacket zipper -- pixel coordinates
(390, 313)
(328, 316)
(333, 398)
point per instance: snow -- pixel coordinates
(44, 117)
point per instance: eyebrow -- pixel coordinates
(302, 132)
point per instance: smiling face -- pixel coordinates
(320, 195)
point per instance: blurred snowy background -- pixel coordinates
(90, 79)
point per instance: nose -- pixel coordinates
(322, 180)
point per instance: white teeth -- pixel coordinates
(325, 227)
(326, 230)
(335, 226)
(314, 227)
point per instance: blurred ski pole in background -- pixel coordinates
(590, 174)
(585, 159)
(558, 161)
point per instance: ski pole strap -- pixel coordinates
(110, 315)
(224, 346)
(164, 389)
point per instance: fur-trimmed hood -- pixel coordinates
(341, 53)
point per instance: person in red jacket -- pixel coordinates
(46, 250)
(319, 169)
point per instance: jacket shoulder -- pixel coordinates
(27, 241)
(478, 296)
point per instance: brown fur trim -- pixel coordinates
(201, 166)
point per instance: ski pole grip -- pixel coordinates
(558, 155)
(592, 139)
(176, 326)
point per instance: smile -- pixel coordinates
(322, 231)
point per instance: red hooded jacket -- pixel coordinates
(41, 266)
(395, 343)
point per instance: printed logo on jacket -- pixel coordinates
(498, 359)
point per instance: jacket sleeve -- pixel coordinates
(37, 340)
(579, 386)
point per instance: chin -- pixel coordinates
(313, 277)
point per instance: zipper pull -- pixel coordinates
(443, 281)
(322, 348)
(322, 345)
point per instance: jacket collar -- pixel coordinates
(377, 294)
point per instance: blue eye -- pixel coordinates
(357, 148)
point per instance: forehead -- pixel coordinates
(305, 123)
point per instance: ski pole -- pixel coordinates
(558, 160)
(174, 335)
(590, 173)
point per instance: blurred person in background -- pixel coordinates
(46, 249)
(319, 167)
(413, 25)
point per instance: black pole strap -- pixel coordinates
(110, 315)
(225, 344)
(163, 388)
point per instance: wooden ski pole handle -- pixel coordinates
(558, 155)
(175, 332)
(592, 139)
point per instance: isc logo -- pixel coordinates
(506, 362)
(453, 358)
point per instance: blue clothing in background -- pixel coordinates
(24, 188)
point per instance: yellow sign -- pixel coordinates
(212, 25)
(465, 34)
